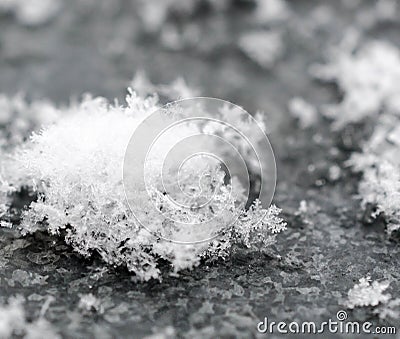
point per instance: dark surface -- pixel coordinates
(97, 48)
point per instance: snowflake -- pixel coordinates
(367, 294)
(380, 165)
(368, 78)
(75, 166)
(371, 294)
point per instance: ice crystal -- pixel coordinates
(76, 168)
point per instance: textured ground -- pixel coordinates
(96, 48)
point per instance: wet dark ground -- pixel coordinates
(95, 47)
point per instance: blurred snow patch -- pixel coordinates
(367, 293)
(268, 11)
(32, 12)
(263, 47)
(306, 113)
(14, 322)
(368, 77)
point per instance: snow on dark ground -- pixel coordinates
(96, 47)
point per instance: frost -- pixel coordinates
(306, 113)
(367, 294)
(75, 165)
(14, 322)
(263, 47)
(32, 12)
